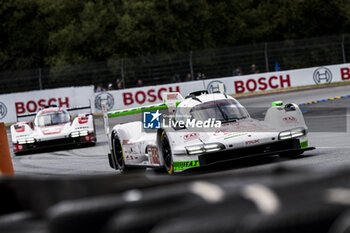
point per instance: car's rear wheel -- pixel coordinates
(166, 153)
(119, 157)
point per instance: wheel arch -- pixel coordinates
(117, 130)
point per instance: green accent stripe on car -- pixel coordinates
(303, 144)
(277, 103)
(130, 111)
(182, 165)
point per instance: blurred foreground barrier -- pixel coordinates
(286, 202)
(6, 167)
(278, 200)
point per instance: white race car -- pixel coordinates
(178, 147)
(53, 126)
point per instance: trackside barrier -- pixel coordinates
(24, 103)
(6, 167)
(150, 95)
(30, 102)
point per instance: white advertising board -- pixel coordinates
(127, 98)
(32, 101)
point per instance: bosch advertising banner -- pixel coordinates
(32, 101)
(127, 98)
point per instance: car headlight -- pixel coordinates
(298, 132)
(79, 133)
(198, 149)
(75, 134)
(83, 133)
(22, 141)
(25, 141)
(192, 150)
(285, 135)
(294, 133)
(212, 147)
(30, 140)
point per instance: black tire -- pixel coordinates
(291, 155)
(166, 153)
(117, 152)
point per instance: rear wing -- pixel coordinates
(68, 109)
(24, 115)
(170, 101)
(80, 108)
(130, 111)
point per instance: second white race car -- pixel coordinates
(179, 147)
(53, 126)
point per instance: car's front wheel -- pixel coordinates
(117, 151)
(166, 153)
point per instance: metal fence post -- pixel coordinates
(343, 48)
(122, 71)
(191, 66)
(266, 59)
(40, 83)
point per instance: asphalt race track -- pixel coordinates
(329, 133)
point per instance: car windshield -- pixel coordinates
(53, 118)
(223, 110)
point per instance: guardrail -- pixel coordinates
(19, 103)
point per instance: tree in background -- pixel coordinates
(38, 33)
